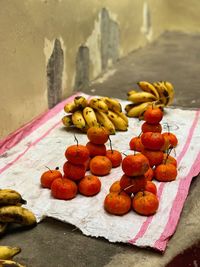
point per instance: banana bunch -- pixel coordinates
(11, 210)
(98, 111)
(7, 263)
(159, 94)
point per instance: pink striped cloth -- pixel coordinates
(42, 142)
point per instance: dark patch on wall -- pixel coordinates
(54, 74)
(109, 39)
(82, 68)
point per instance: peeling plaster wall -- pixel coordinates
(91, 35)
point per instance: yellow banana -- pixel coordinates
(118, 122)
(123, 116)
(148, 87)
(130, 106)
(10, 197)
(9, 263)
(136, 111)
(163, 92)
(7, 252)
(98, 103)
(67, 120)
(70, 107)
(17, 214)
(103, 119)
(113, 104)
(90, 117)
(131, 92)
(141, 97)
(3, 227)
(170, 89)
(78, 119)
(80, 102)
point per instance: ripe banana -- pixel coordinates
(170, 89)
(90, 117)
(99, 104)
(148, 87)
(105, 121)
(118, 122)
(131, 92)
(3, 227)
(163, 92)
(70, 107)
(10, 197)
(17, 214)
(136, 111)
(7, 252)
(80, 102)
(9, 263)
(123, 116)
(78, 119)
(67, 120)
(141, 97)
(113, 104)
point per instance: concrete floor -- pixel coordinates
(174, 57)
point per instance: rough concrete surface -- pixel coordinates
(174, 57)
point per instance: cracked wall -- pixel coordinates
(92, 34)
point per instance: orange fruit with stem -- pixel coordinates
(151, 187)
(172, 139)
(152, 141)
(135, 165)
(98, 135)
(63, 188)
(155, 157)
(114, 156)
(100, 165)
(74, 172)
(117, 203)
(165, 173)
(153, 115)
(149, 174)
(169, 159)
(147, 127)
(90, 185)
(115, 187)
(49, 176)
(145, 203)
(136, 144)
(96, 150)
(132, 185)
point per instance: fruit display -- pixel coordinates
(156, 146)
(103, 111)
(159, 94)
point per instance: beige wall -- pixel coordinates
(29, 28)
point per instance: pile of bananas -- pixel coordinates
(159, 94)
(11, 211)
(103, 111)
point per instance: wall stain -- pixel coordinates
(82, 68)
(55, 67)
(109, 40)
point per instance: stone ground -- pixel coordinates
(174, 57)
